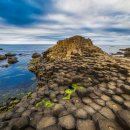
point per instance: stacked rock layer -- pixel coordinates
(80, 87)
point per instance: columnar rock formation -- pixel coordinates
(70, 46)
(80, 87)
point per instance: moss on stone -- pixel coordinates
(45, 103)
(75, 86)
(2, 57)
(48, 104)
(69, 92)
(29, 94)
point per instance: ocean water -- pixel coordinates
(113, 49)
(16, 80)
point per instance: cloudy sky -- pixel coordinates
(46, 21)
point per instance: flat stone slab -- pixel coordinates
(81, 113)
(114, 106)
(127, 104)
(95, 106)
(98, 116)
(126, 96)
(124, 118)
(85, 125)
(87, 100)
(107, 113)
(126, 88)
(105, 98)
(90, 110)
(46, 122)
(53, 127)
(108, 125)
(117, 99)
(67, 122)
(100, 102)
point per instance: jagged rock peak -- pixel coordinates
(64, 49)
(76, 40)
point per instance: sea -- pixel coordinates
(16, 80)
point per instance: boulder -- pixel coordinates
(12, 60)
(4, 66)
(10, 54)
(36, 55)
(127, 54)
(2, 57)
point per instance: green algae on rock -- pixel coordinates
(2, 57)
(12, 60)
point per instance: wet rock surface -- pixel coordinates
(126, 52)
(123, 53)
(2, 57)
(36, 55)
(12, 60)
(85, 91)
(10, 54)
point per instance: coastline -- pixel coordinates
(88, 86)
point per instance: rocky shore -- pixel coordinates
(123, 53)
(80, 87)
(10, 57)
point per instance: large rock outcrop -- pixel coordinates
(70, 46)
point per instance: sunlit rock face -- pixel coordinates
(65, 49)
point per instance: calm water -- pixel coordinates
(16, 80)
(113, 49)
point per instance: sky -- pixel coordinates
(106, 22)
